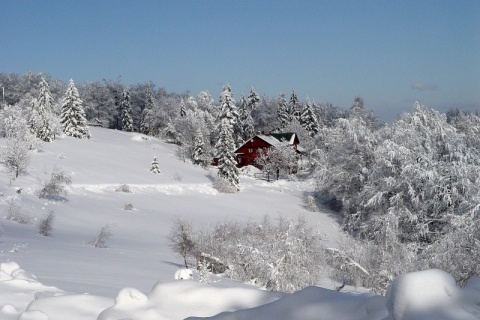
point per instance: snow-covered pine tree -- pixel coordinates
(308, 119)
(282, 111)
(72, 117)
(199, 155)
(292, 110)
(225, 148)
(229, 111)
(147, 124)
(246, 120)
(253, 100)
(155, 168)
(127, 121)
(183, 111)
(41, 117)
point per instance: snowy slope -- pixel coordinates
(62, 277)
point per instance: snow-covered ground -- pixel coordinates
(62, 277)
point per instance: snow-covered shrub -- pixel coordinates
(286, 256)
(203, 271)
(56, 187)
(458, 253)
(15, 155)
(367, 264)
(124, 188)
(224, 186)
(45, 225)
(128, 206)
(100, 240)
(177, 177)
(310, 203)
(14, 213)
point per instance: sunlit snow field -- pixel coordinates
(63, 277)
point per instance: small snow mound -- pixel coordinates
(9, 267)
(128, 296)
(183, 274)
(5, 276)
(33, 315)
(44, 294)
(8, 309)
(250, 171)
(428, 294)
(20, 274)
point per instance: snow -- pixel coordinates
(432, 294)
(63, 277)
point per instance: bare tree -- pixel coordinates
(181, 238)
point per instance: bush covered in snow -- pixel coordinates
(101, 239)
(45, 226)
(56, 187)
(282, 256)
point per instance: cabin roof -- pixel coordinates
(274, 139)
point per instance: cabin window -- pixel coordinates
(250, 150)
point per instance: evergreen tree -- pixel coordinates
(227, 107)
(225, 146)
(308, 119)
(253, 100)
(155, 168)
(147, 124)
(282, 111)
(292, 110)
(127, 120)
(41, 117)
(229, 111)
(227, 165)
(246, 120)
(183, 112)
(199, 155)
(72, 117)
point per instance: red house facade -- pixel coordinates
(248, 152)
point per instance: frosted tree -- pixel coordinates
(15, 155)
(147, 125)
(154, 168)
(292, 108)
(308, 119)
(225, 146)
(41, 118)
(183, 111)
(199, 155)
(171, 133)
(72, 116)
(246, 120)
(253, 100)
(282, 111)
(229, 111)
(126, 110)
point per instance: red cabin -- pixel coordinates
(248, 152)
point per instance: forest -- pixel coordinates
(408, 192)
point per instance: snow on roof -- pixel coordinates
(277, 139)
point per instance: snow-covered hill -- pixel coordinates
(62, 277)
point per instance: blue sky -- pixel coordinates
(391, 53)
